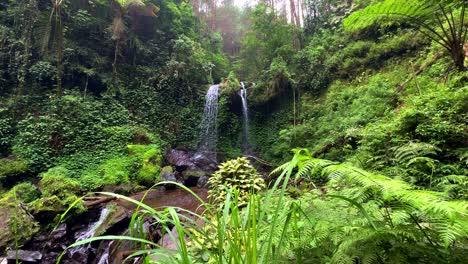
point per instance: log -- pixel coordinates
(99, 201)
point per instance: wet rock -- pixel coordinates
(203, 182)
(167, 241)
(180, 159)
(168, 174)
(125, 189)
(204, 163)
(25, 255)
(11, 213)
(191, 177)
(60, 232)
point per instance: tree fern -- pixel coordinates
(435, 18)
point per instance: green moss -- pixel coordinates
(27, 192)
(9, 169)
(147, 159)
(167, 169)
(56, 182)
(15, 222)
(52, 204)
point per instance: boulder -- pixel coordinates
(180, 159)
(204, 163)
(168, 174)
(13, 215)
(203, 182)
(24, 255)
(191, 177)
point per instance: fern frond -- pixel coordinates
(396, 10)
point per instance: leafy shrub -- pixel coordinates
(6, 132)
(236, 174)
(43, 72)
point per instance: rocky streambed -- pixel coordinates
(110, 216)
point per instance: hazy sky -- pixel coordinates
(241, 3)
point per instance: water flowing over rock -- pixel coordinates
(245, 123)
(208, 126)
(90, 232)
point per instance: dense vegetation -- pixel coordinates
(364, 102)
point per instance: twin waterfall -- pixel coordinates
(208, 127)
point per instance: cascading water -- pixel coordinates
(245, 123)
(208, 126)
(90, 232)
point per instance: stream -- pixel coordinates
(112, 218)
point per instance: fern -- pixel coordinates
(389, 220)
(434, 18)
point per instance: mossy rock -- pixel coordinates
(148, 160)
(15, 222)
(193, 173)
(125, 189)
(10, 169)
(51, 205)
(27, 192)
(56, 182)
(47, 209)
(167, 169)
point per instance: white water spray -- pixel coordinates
(208, 127)
(245, 123)
(89, 233)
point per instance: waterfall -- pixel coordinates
(90, 232)
(105, 256)
(245, 123)
(208, 126)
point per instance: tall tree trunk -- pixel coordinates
(59, 35)
(114, 64)
(27, 40)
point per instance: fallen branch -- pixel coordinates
(93, 201)
(434, 59)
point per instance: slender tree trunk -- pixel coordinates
(86, 86)
(114, 64)
(27, 39)
(59, 33)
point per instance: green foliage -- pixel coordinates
(78, 126)
(148, 159)
(390, 214)
(268, 38)
(26, 192)
(6, 132)
(56, 181)
(431, 16)
(141, 165)
(235, 174)
(231, 85)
